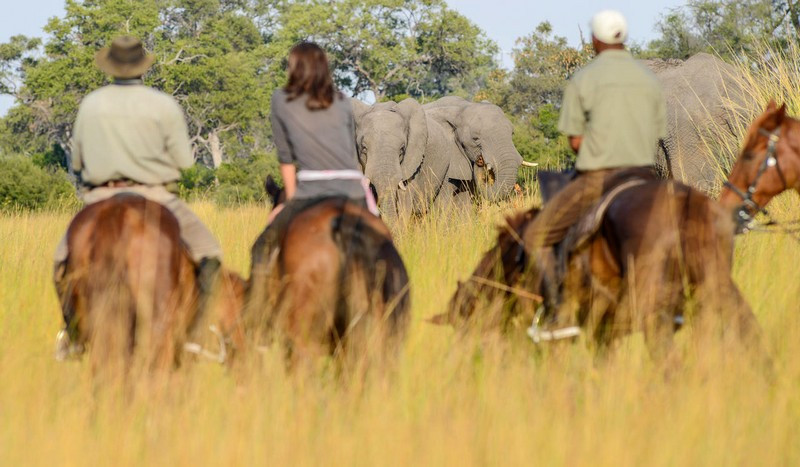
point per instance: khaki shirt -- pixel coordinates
(130, 131)
(617, 105)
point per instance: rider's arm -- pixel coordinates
(575, 143)
(572, 120)
(289, 174)
(76, 156)
(177, 137)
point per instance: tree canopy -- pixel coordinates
(727, 27)
(221, 59)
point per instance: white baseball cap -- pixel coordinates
(609, 27)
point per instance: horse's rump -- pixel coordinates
(342, 274)
(132, 282)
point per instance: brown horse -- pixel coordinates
(336, 284)
(658, 243)
(132, 285)
(769, 165)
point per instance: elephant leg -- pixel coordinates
(444, 198)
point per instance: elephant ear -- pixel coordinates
(413, 113)
(359, 109)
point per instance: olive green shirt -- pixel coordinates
(617, 105)
(129, 131)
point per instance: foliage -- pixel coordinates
(210, 53)
(530, 94)
(538, 140)
(417, 48)
(728, 27)
(240, 180)
(24, 185)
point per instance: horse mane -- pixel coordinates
(514, 225)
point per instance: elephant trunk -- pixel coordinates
(504, 167)
(386, 182)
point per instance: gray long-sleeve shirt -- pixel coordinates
(316, 140)
(130, 131)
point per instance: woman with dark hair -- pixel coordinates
(314, 131)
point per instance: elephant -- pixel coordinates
(402, 153)
(706, 111)
(482, 156)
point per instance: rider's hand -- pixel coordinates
(274, 213)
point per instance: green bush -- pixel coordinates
(24, 185)
(196, 182)
(237, 181)
(241, 180)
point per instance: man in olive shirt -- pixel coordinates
(129, 138)
(614, 114)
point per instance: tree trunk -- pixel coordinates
(794, 15)
(215, 147)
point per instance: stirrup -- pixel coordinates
(66, 349)
(539, 335)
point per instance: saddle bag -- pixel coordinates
(550, 183)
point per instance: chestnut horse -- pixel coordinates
(335, 285)
(659, 243)
(769, 165)
(132, 285)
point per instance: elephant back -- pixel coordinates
(706, 111)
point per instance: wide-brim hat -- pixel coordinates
(125, 58)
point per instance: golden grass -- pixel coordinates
(451, 401)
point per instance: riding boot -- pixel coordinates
(208, 272)
(547, 264)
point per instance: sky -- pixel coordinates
(502, 20)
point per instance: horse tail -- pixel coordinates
(373, 288)
(110, 299)
(128, 262)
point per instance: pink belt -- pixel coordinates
(324, 175)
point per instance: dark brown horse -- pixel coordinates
(336, 284)
(132, 285)
(659, 243)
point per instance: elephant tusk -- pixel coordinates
(530, 164)
(402, 186)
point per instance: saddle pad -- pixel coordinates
(590, 223)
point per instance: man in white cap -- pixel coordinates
(614, 113)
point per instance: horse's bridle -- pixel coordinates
(749, 207)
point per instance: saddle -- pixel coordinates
(579, 234)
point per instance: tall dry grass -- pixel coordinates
(450, 401)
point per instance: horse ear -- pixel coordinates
(773, 117)
(771, 106)
(782, 113)
(273, 190)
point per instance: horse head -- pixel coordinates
(768, 164)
